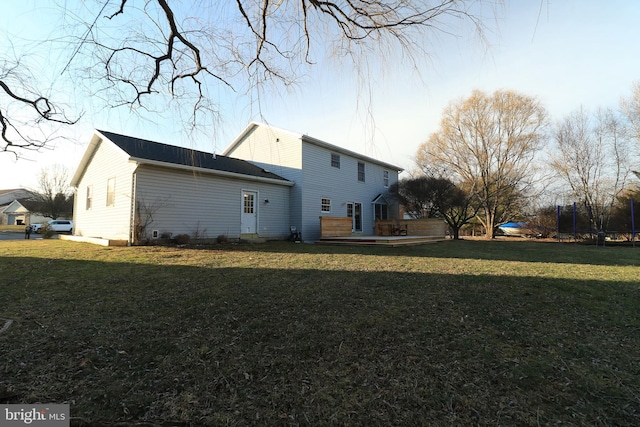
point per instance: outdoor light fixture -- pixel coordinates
(266, 201)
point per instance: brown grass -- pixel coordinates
(457, 333)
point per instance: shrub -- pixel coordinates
(46, 231)
(182, 239)
(223, 238)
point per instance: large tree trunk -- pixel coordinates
(456, 233)
(489, 226)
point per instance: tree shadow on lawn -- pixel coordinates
(242, 346)
(499, 250)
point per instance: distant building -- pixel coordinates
(21, 212)
(11, 213)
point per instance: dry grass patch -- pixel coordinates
(483, 333)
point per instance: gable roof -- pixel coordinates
(311, 140)
(144, 151)
(10, 190)
(29, 203)
(7, 196)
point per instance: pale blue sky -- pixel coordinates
(568, 53)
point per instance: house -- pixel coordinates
(133, 190)
(7, 197)
(266, 181)
(21, 211)
(330, 181)
(18, 207)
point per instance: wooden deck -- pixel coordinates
(390, 241)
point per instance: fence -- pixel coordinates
(580, 221)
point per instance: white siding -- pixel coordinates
(109, 222)
(282, 150)
(279, 152)
(209, 205)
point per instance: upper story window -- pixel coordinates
(89, 196)
(335, 160)
(385, 178)
(111, 191)
(360, 171)
(326, 205)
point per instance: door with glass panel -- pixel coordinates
(249, 219)
(354, 211)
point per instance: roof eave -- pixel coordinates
(227, 174)
(248, 129)
(335, 148)
(86, 157)
(311, 140)
(88, 154)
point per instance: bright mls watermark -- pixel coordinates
(41, 415)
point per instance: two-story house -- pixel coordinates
(329, 180)
(132, 190)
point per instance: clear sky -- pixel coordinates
(567, 53)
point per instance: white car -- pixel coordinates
(58, 225)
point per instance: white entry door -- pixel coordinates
(249, 218)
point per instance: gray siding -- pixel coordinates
(209, 205)
(321, 180)
(308, 165)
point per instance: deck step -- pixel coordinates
(381, 240)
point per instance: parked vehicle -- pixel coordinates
(57, 225)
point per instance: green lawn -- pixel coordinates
(453, 333)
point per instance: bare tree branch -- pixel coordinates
(179, 53)
(124, 53)
(12, 136)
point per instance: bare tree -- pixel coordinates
(487, 144)
(630, 107)
(54, 197)
(157, 54)
(591, 156)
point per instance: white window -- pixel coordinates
(326, 205)
(111, 191)
(360, 171)
(385, 178)
(89, 196)
(335, 160)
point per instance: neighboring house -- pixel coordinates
(329, 180)
(6, 198)
(265, 182)
(21, 212)
(133, 189)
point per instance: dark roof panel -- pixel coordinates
(155, 151)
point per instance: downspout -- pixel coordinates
(132, 219)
